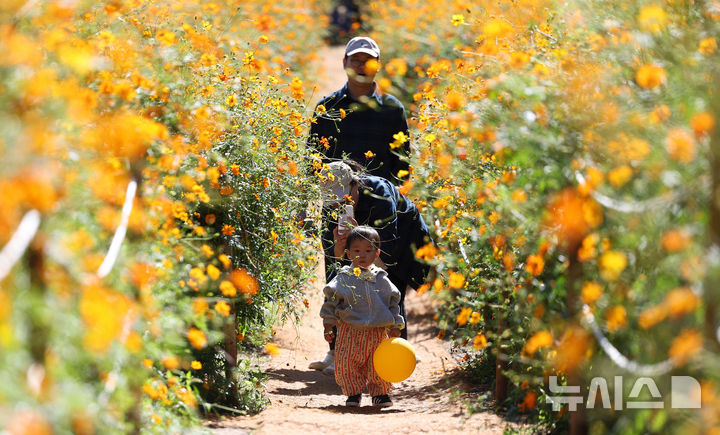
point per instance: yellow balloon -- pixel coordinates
(394, 359)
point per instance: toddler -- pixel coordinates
(364, 305)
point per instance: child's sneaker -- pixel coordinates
(353, 400)
(382, 401)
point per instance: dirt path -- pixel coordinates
(306, 401)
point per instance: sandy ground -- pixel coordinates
(306, 401)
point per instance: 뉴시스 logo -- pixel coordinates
(684, 394)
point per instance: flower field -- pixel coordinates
(566, 155)
(154, 171)
(152, 153)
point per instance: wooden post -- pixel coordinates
(711, 291)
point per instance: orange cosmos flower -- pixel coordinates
(244, 282)
(464, 315)
(529, 402)
(616, 318)
(572, 349)
(534, 264)
(454, 100)
(423, 288)
(272, 349)
(480, 341)
(228, 230)
(536, 342)
(197, 338)
(681, 301)
(675, 240)
(591, 292)
(570, 216)
(702, 124)
(680, 145)
(456, 280)
(685, 346)
(171, 362)
(650, 76)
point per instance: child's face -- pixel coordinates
(362, 253)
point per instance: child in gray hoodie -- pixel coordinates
(364, 305)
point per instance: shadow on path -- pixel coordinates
(315, 382)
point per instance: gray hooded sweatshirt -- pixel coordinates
(366, 301)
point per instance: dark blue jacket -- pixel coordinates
(368, 126)
(401, 227)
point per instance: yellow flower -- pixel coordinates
(462, 318)
(231, 100)
(652, 18)
(400, 139)
(591, 292)
(228, 289)
(223, 308)
(707, 46)
(196, 365)
(497, 28)
(357, 271)
(225, 260)
(620, 175)
(612, 263)
(369, 155)
(320, 109)
(475, 317)
(207, 250)
(166, 37)
(228, 230)
(458, 19)
(213, 272)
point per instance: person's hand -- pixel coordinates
(394, 332)
(340, 243)
(328, 333)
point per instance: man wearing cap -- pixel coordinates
(379, 204)
(361, 123)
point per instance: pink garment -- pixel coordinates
(354, 370)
